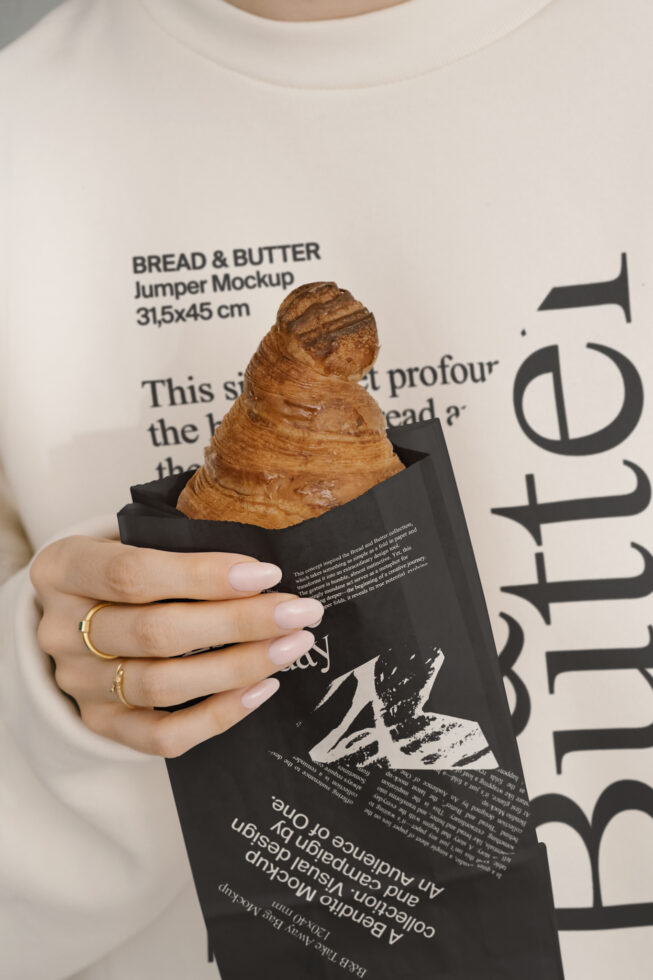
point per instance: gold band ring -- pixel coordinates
(116, 687)
(84, 628)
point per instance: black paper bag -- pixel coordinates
(371, 818)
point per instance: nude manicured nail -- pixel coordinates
(287, 648)
(256, 695)
(253, 576)
(296, 613)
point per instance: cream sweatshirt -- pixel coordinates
(478, 174)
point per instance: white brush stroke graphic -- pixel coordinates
(403, 735)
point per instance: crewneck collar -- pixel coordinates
(377, 48)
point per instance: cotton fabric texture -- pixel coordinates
(479, 176)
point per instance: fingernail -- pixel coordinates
(288, 648)
(253, 576)
(256, 695)
(295, 613)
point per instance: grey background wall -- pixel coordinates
(17, 16)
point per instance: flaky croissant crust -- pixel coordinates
(303, 436)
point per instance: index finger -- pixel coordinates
(115, 572)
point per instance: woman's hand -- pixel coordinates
(262, 633)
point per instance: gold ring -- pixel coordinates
(84, 628)
(116, 687)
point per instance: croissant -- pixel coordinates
(303, 436)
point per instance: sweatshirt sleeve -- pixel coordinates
(90, 845)
(15, 549)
